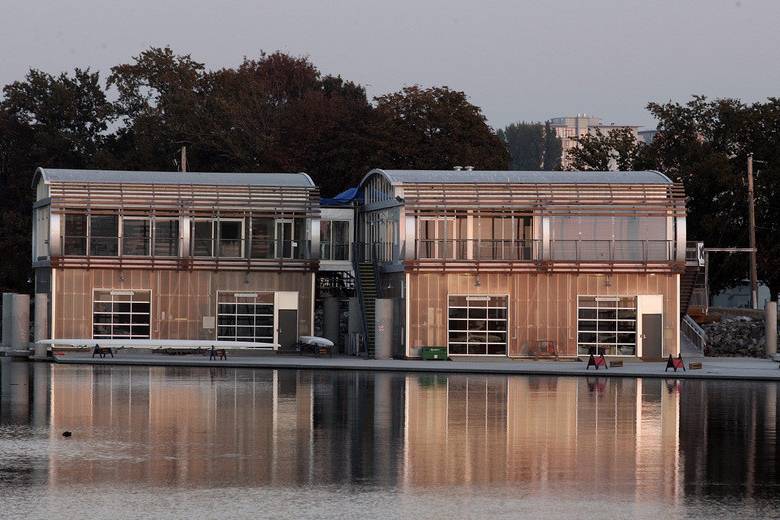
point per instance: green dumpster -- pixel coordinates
(429, 353)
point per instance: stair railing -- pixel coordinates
(693, 332)
(357, 258)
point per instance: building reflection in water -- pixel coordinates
(596, 436)
(216, 427)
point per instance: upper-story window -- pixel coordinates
(203, 238)
(442, 237)
(136, 236)
(166, 237)
(630, 238)
(231, 238)
(75, 239)
(503, 238)
(334, 239)
(103, 235)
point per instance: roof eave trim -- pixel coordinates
(381, 172)
(39, 173)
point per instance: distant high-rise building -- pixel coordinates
(567, 129)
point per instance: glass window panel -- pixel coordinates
(75, 241)
(102, 307)
(458, 301)
(202, 238)
(245, 308)
(121, 318)
(477, 349)
(494, 348)
(101, 330)
(471, 325)
(104, 235)
(587, 337)
(458, 348)
(245, 320)
(123, 307)
(252, 317)
(497, 313)
(458, 313)
(587, 325)
(341, 240)
(498, 325)
(607, 337)
(458, 324)
(230, 238)
(458, 336)
(264, 332)
(477, 313)
(264, 320)
(121, 330)
(262, 238)
(227, 308)
(607, 314)
(101, 318)
(140, 307)
(136, 234)
(587, 314)
(166, 238)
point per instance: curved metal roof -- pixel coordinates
(396, 177)
(294, 180)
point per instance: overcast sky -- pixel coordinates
(517, 59)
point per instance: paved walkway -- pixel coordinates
(713, 368)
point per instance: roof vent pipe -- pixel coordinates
(469, 168)
(457, 168)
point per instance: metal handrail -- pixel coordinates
(557, 250)
(693, 331)
(227, 249)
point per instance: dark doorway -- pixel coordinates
(652, 333)
(288, 329)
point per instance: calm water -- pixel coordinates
(214, 443)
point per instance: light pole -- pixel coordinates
(752, 224)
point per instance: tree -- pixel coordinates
(45, 120)
(532, 146)
(617, 149)
(525, 142)
(704, 145)
(553, 149)
(436, 128)
(160, 105)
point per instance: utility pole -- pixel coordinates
(184, 159)
(752, 223)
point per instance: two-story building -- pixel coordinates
(176, 255)
(508, 263)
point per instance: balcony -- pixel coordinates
(95, 251)
(600, 251)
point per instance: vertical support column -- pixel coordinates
(330, 319)
(353, 325)
(383, 328)
(20, 321)
(41, 323)
(8, 303)
(770, 315)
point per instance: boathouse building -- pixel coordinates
(513, 263)
(176, 255)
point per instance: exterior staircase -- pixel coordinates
(692, 291)
(367, 291)
(690, 280)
